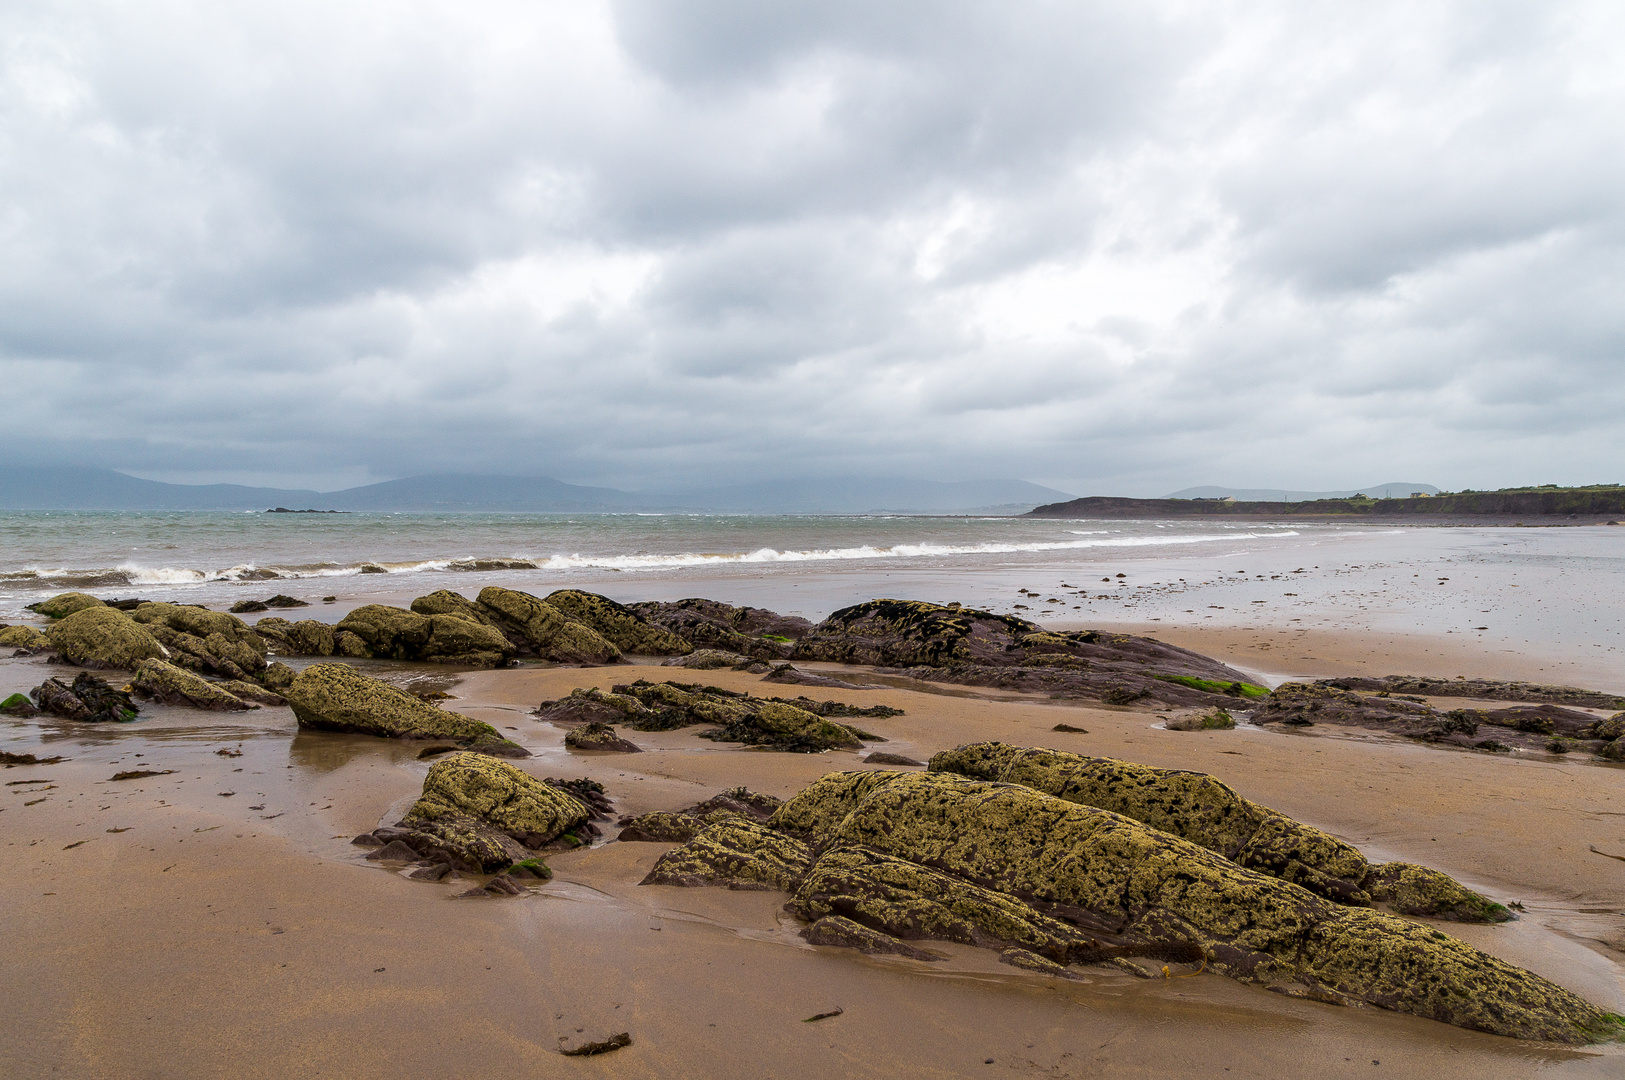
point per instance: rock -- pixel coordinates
(490, 814)
(588, 705)
(910, 633)
(1195, 807)
(1216, 720)
(630, 632)
(756, 632)
(64, 604)
(335, 697)
(244, 606)
(843, 932)
(177, 686)
(392, 633)
(1613, 751)
(368, 840)
(87, 698)
(937, 856)
(248, 691)
(682, 825)
(1609, 729)
(99, 637)
(840, 710)
(277, 676)
(598, 737)
(1417, 890)
(282, 601)
(203, 640)
(709, 660)
(1031, 961)
(545, 630)
(1483, 690)
(1070, 729)
(432, 872)
(735, 852)
(18, 705)
(788, 673)
(394, 851)
(531, 869)
(890, 759)
(742, 718)
(24, 637)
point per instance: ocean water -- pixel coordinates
(1554, 592)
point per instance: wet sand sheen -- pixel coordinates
(208, 938)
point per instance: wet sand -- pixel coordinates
(243, 934)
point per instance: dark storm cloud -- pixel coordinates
(1105, 247)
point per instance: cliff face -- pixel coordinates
(1542, 502)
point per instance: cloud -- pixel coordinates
(1105, 248)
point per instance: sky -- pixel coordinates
(1111, 248)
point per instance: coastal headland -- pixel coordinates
(477, 833)
(1512, 506)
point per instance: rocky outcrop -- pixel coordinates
(629, 631)
(99, 637)
(64, 604)
(590, 705)
(935, 856)
(392, 633)
(1482, 690)
(212, 642)
(336, 697)
(24, 637)
(277, 601)
(715, 659)
(478, 815)
(756, 632)
(951, 643)
(739, 717)
(544, 630)
(682, 825)
(172, 685)
(1215, 720)
(1201, 809)
(601, 737)
(87, 698)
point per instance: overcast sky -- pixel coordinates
(1115, 248)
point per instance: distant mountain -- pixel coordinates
(1395, 490)
(76, 488)
(860, 495)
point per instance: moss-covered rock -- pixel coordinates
(177, 686)
(277, 675)
(590, 705)
(87, 698)
(336, 697)
(630, 632)
(1198, 808)
(740, 717)
(24, 637)
(1416, 890)
(599, 737)
(393, 633)
(682, 825)
(62, 605)
(203, 640)
(757, 632)
(737, 853)
(99, 637)
(713, 660)
(547, 631)
(500, 795)
(248, 691)
(1214, 720)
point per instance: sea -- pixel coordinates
(1557, 590)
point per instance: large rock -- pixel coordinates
(940, 856)
(1483, 690)
(99, 637)
(204, 640)
(599, 737)
(24, 637)
(545, 630)
(1201, 809)
(630, 632)
(64, 604)
(336, 697)
(590, 705)
(740, 717)
(177, 686)
(395, 634)
(756, 632)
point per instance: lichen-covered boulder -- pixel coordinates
(336, 697)
(599, 737)
(735, 852)
(277, 675)
(630, 632)
(908, 633)
(177, 686)
(683, 825)
(712, 660)
(62, 605)
(99, 637)
(547, 631)
(1203, 810)
(590, 705)
(24, 637)
(938, 855)
(204, 640)
(757, 632)
(87, 698)
(740, 717)
(1416, 890)
(253, 692)
(465, 786)
(392, 633)
(446, 602)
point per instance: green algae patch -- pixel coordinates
(629, 631)
(1213, 686)
(336, 697)
(100, 637)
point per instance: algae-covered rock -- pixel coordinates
(177, 686)
(336, 697)
(99, 637)
(506, 798)
(712, 660)
(757, 632)
(737, 853)
(24, 637)
(842, 932)
(277, 675)
(740, 717)
(546, 630)
(248, 691)
(62, 605)
(630, 632)
(683, 825)
(1416, 890)
(395, 634)
(600, 737)
(908, 633)
(1198, 808)
(1215, 720)
(203, 640)
(590, 705)
(87, 698)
